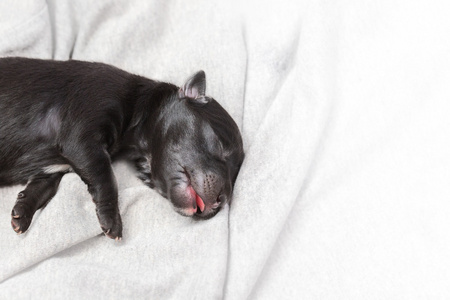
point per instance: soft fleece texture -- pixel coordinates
(345, 191)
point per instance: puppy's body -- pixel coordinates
(58, 116)
(47, 106)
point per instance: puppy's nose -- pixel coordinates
(221, 199)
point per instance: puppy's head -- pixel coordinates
(195, 151)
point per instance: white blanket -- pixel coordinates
(344, 108)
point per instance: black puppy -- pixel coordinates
(61, 116)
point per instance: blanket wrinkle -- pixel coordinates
(24, 28)
(244, 91)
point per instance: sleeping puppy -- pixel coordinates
(62, 116)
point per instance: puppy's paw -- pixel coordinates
(111, 225)
(21, 216)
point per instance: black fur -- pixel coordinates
(60, 116)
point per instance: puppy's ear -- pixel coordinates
(194, 88)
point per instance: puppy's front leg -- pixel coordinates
(93, 165)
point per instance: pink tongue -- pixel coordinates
(200, 203)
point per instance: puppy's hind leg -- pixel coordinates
(38, 192)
